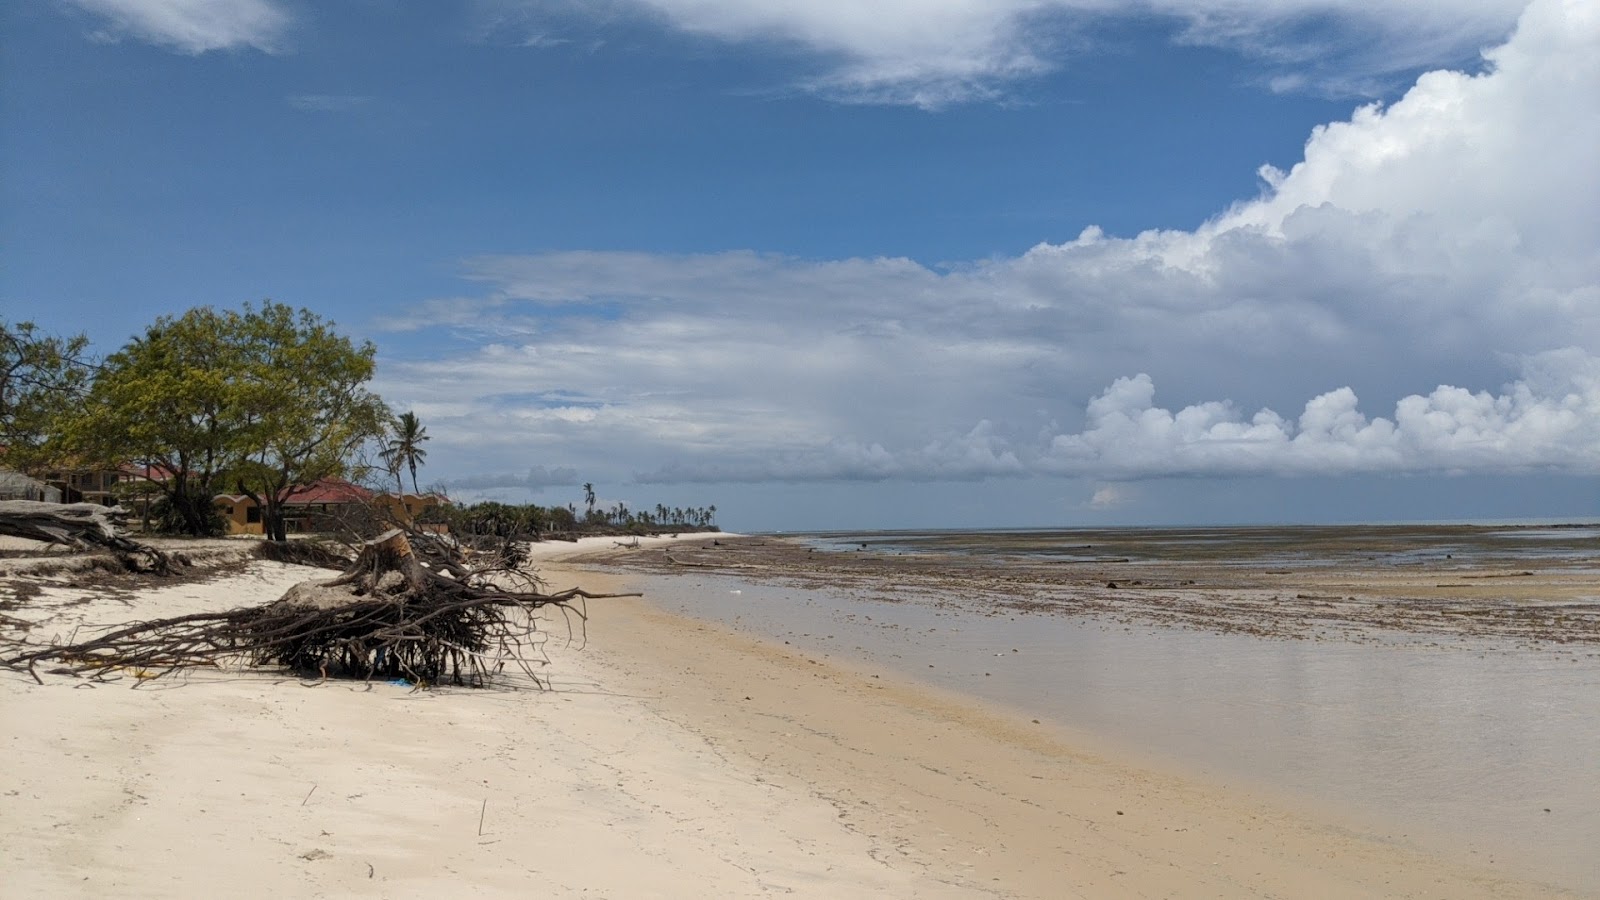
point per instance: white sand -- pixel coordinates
(674, 759)
(255, 786)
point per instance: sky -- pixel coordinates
(834, 265)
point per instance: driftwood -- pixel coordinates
(706, 565)
(80, 526)
(409, 607)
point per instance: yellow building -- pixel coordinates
(323, 506)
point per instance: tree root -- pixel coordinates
(395, 612)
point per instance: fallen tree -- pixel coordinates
(81, 526)
(409, 606)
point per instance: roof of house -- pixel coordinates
(330, 490)
(154, 472)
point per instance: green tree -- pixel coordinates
(264, 401)
(42, 380)
(304, 396)
(168, 401)
(405, 448)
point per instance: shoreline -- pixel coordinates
(645, 772)
(986, 762)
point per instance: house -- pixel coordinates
(323, 506)
(85, 485)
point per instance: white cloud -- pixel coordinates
(1549, 420)
(328, 102)
(1448, 238)
(193, 26)
(1110, 496)
(933, 52)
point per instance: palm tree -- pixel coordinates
(405, 448)
(588, 495)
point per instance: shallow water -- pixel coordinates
(1491, 753)
(1247, 546)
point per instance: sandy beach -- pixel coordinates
(670, 758)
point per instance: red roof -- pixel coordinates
(329, 490)
(149, 472)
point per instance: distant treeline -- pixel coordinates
(532, 520)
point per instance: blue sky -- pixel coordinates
(947, 263)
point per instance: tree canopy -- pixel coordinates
(42, 377)
(261, 400)
(404, 449)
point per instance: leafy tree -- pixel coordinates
(42, 380)
(169, 401)
(405, 447)
(305, 400)
(264, 400)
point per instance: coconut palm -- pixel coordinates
(405, 448)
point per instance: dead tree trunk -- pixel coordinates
(80, 526)
(409, 609)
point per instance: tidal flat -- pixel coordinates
(1433, 686)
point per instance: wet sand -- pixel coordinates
(1466, 722)
(1343, 583)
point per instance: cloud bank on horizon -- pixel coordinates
(1450, 232)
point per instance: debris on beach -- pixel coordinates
(410, 606)
(82, 526)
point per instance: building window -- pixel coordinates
(252, 514)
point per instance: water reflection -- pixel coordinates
(1454, 748)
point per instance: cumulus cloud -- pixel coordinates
(1109, 496)
(933, 52)
(1446, 239)
(193, 26)
(1547, 421)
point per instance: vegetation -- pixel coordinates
(308, 405)
(260, 401)
(532, 520)
(404, 449)
(40, 376)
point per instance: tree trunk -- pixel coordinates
(195, 520)
(273, 526)
(79, 525)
